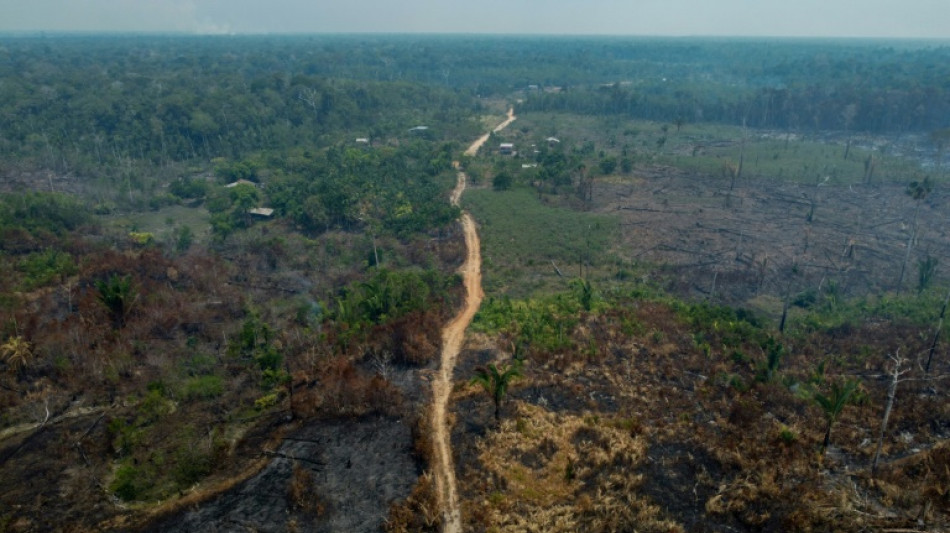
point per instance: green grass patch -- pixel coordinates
(920, 310)
(42, 268)
(521, 236)
(797, 161)
(203, 387)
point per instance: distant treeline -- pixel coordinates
(95, 103)
(796, 85)
(89, 103)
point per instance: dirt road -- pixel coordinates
(473, 149)
(452, 337)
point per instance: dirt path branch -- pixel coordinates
(452, 337)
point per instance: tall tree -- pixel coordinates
(918, 190)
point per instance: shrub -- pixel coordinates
(191, 465)
(787, 435)
(127, 484)
(203, 387)
(43, 268)
(189, 188)
(501, 181)
(184, 237)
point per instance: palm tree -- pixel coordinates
(834, 403)
(117, 294)
(17, 352)
(495, 381)
(918, 190)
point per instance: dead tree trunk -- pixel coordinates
(933, 345)
(896, 373)
(786, 303)
(910, 246)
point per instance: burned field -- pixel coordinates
(759, 238)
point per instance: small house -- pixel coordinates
(262, 212)
(234, 184)
(506, 149)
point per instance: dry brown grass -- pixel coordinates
(658, 432)
(547, 471)
(301, 494)
(419, 512)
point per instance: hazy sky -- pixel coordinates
(826, 18)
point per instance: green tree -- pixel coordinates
(774, 352)
(501, 181)
(244, 197)
(117, 294)
(495, 381)
(585, 293)
(832, 404)
(184, 238)
(626, 165)
(608, 165)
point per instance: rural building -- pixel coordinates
(506, 149)
(263, 212)
(234, 184)
(362, 140)
(419, 129)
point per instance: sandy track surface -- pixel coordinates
(473, 149)
(452, 337)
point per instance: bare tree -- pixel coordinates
(895, 374)
(918, 190)
(847, 115)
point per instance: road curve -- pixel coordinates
(452, 337)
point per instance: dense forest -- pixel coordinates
(87, 103)
(714, 277)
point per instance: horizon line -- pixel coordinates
(178, 33)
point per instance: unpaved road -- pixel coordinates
(452, 337)
(473, 149)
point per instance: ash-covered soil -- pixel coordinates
(735, 242)
(357, 468)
